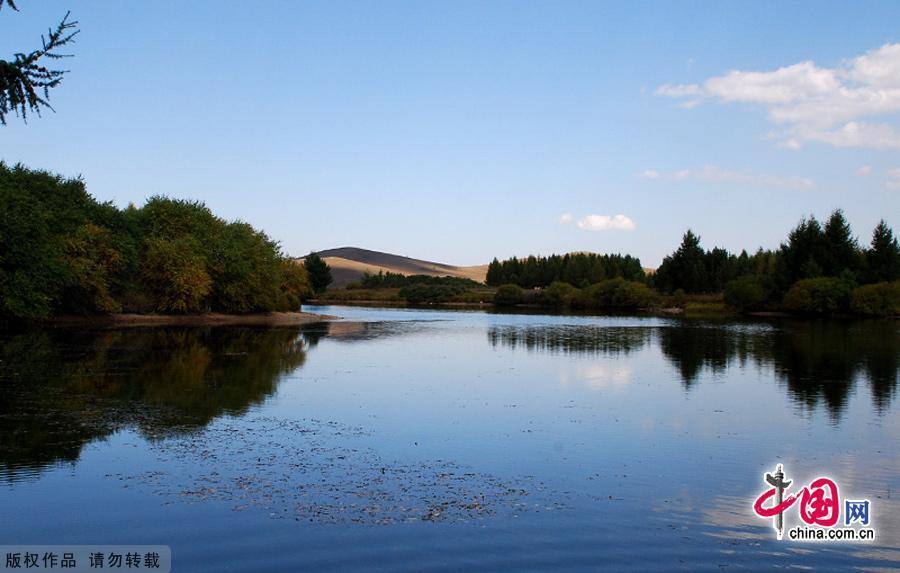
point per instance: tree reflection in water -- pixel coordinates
(62, 389)
(818, 361)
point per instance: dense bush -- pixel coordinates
(880, 299)
(617, 294)
(397, 280)
(679, 298)
(61, 251)
(37, 212)
(175, 274)
(823, 295)
(559, 294)
(509, 295)
(426, 294)
(745, 293)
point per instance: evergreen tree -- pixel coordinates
(685, 268)
(25, 80)
(805, 251)
(883, 257)
(841, 250)
(494, 271)
(319, 272)
(579, 269)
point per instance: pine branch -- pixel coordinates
(25, 82)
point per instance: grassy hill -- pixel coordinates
(349, 263)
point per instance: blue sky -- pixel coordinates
(459, 131)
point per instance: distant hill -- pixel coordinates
(349, 263)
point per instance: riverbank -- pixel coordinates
(206, 319)
(693, 306)
(709, 310)
(530, 300)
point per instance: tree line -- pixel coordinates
(578, 269)
(818, 269)
(388, 279)
(64, 252)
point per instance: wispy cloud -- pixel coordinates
(600, 222)
(893, 179)
(714, 174)
(864, 170)
(811, 103)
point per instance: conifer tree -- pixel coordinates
(27, 78)
(319, 272)
(883, 257)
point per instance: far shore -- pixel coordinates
(710, 311)
(206, 319)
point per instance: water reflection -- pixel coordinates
(62, 389)
(665, 426)
(571, 339)
(817, 361)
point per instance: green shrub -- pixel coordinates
(424, 294)
(508, 295)
(822, 295)
(597, 295)
(397, 280)
(295, 287)
(176, 275)
(745, 293)
(617, 293)
(679, 298)
(559, 294)
(474, 296)
(880, 299)
(633, 295)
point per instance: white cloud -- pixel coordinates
(854, 134)
(566, 218)
(606, 223)
(864, 170)
(812, 103)
(893, 179)
(649, 174)
(682, 90)
(714, 174)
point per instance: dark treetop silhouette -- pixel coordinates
(26, 79)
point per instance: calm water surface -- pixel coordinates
(439, 440)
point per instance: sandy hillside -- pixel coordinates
(349, 263)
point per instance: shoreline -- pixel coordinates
(526, 308)
(661, 310)
(692, 313)
(207, 319)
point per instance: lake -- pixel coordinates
(436, 440)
